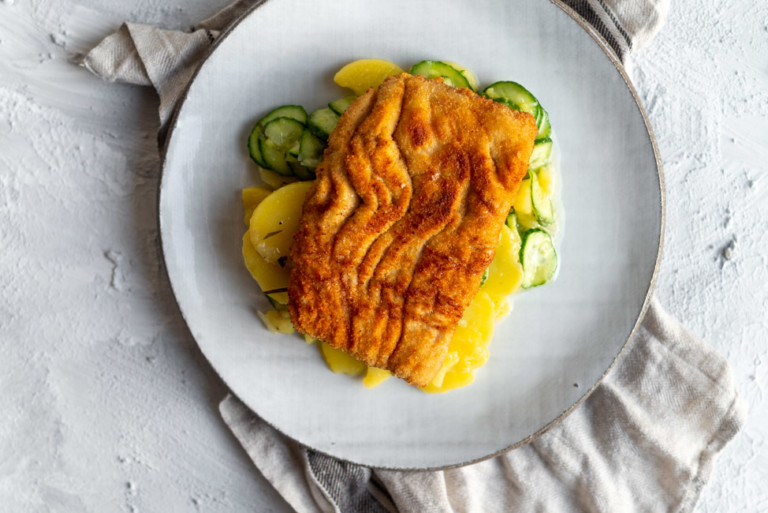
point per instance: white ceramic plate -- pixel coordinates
(559, 340)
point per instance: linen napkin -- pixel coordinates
(645, 440)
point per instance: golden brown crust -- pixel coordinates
(403, 219)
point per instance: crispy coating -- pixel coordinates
(403, 220)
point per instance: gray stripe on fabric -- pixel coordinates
(345, 483)
(617, 23)
(584, 9)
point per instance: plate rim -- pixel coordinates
(608, 51)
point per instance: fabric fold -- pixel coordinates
(144, 55)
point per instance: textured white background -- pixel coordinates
(105, 402)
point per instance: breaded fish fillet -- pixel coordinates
(403, 220)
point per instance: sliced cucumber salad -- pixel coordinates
(534, 222)
(534, 216)
(291, 143)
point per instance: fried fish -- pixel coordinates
(403, 220)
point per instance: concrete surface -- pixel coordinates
(107, 405)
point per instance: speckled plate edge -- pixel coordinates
(605, 47)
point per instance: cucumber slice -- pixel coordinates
(508, 103)
(274, 157)
(517, 97)
(538, 258)
(471, 78)
(310, 150)
(515, 93)
(543, 125)
(434, 69)
(542, 149)
(279, 139)
(299, 171)
(293, 151)
(542, 204)
(511, 221)
(296, 112)
(283, 132)
(512, 224)
(253, 146)
(290, 114)
(340, 105)
(322, 122)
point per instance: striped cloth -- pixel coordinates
(645, 440)
(626, 25)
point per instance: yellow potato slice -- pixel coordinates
(375, 377)
(279, 297)
(277, 321)
(502, 310)
(505, 274)
(363, 74)
(252, 196)
(457, 380)
(546, 180)
(275, 220)
(479, 315)
(528, 221)
(269, 276)
(468, 349)
(436, 385)
(340, 362)
(523, 204)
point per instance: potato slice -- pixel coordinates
(275, 220)
(436, 385)
(363, 74)
(277, 321)
(523, 204)
(457, 380)
(502, 310)
(375, 377)
(546, 180)
(479, 315)
(468, 349)
(505, 273)
(252, 196)
(269, 276)
(340, 362)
